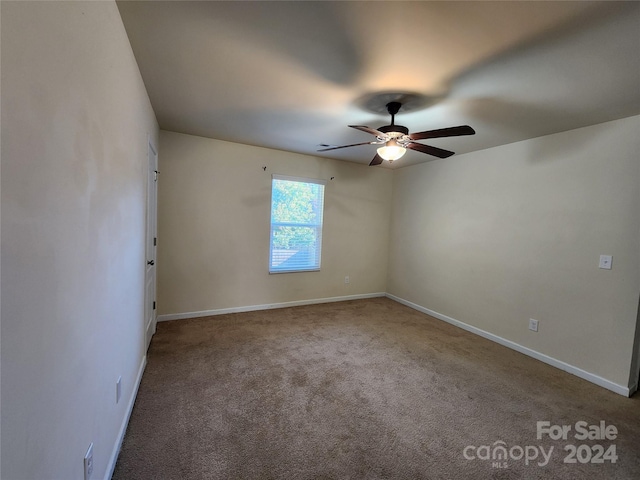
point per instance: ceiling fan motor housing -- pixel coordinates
(402, 130)
(398, 133)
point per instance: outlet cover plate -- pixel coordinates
(605, 262)
(88, 463)
(533, 325)
(118, 388)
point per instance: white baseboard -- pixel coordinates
(125, 422)
(267, 306)
(578, 372)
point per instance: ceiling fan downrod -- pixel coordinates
(393, 130)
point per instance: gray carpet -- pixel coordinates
(366, 389)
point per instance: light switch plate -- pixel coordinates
(605, 262)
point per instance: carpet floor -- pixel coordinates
(365, 389)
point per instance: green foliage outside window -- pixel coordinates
(294, 202)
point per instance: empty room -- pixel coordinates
(319, 240)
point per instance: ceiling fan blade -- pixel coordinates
(370, 130)
(435, 151)
(345, 146)
(377, 160)
(443, 132)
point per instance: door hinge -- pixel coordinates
(155, 175)
(154, 305)
(155, 241)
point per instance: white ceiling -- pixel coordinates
(293, 75)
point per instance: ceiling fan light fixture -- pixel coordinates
(396, 139)
(391, 151)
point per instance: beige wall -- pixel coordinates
(496, 237)
(75, 120)
(213, 226)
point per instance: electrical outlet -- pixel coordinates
(605, 262)
(346, 279)
(118, 388)
(88, 463)
(533, 325)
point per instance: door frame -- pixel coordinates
(151, 236)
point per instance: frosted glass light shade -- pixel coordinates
(391, 152)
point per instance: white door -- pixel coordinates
(152, 240)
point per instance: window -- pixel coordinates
(296, 224)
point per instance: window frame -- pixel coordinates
(317, 225)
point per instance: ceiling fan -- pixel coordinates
(396, 139)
